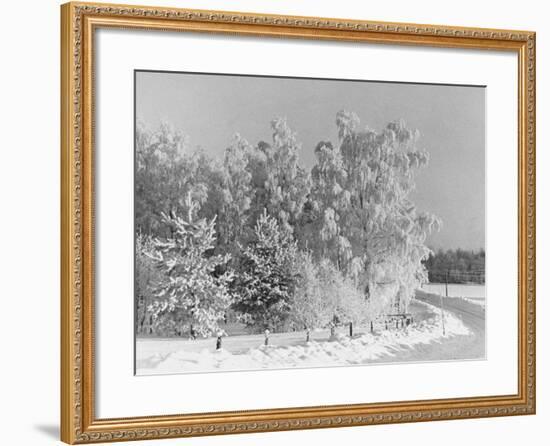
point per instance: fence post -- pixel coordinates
(266, 341)
(351, 329)
(219, 342)
(371, 327)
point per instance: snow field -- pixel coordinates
(364, 349)
(474, 291)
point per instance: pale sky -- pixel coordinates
(210, 109)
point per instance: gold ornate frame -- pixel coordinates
(78, 23)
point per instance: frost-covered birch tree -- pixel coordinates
(230, 195)
(282, 185)
(347, 303)
(330, 200)
(382, 225)
(311, 305)
(167, 173)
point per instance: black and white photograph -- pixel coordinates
(285, 222)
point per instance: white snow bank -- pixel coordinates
(475, 301)
(342, 351)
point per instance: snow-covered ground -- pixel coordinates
(167, 356)
(472, 293)
(467, 290)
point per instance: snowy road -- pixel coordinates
(472, 316)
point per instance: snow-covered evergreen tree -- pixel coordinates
(191, 291)
(266, 279)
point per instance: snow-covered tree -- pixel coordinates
(329, 202)
(191, 291)
(361, 216)
(324, 295)
(266, 278)
(352, 214)
(282, 185)
(380, 222)
(167, 173)
(311, 305)
(347, 303)
(147, 278)
(233, 187)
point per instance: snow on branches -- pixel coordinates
(266, 279)
(365, 222)
(192, 288)
(272, 243)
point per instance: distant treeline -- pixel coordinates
(456, 266)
